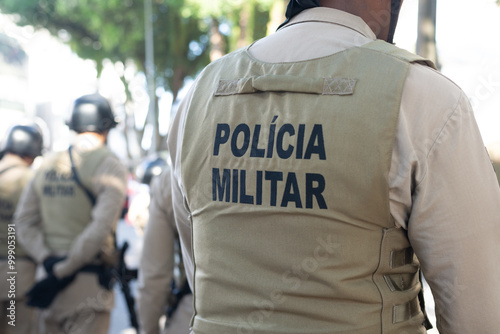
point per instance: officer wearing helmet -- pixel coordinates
(66, 222)
(22, 145)
(162, 283)
(333, 168)
(151, 168)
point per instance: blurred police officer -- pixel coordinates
(66, 222)
(163, 287)
(328, 158)
(23, 144)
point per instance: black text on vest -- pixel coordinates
(273, 188)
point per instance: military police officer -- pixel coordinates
(163, 288)
(23, 144)
(329, 161)
(66, 222)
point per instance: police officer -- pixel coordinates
(163, 288)
(23, 144)
(151, 168)
(328, 159)
(66, 223)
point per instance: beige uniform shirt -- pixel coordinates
(442, 186)
(15, 169)
(108, 185)
(156, 268)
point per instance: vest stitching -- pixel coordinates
(339, 86)
(227, 87)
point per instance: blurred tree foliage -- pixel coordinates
(114, 30)
(185, 31)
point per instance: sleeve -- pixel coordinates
(28, 221)
(157, 259)
(181, 210)
(110, 186)
(454, 226)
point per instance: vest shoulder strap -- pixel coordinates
(83, 169)
(77, 178)
(399, 53)
(9, 168)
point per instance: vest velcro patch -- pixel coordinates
(338, 86)
(286, 83)
(406, 311)
(401, 257)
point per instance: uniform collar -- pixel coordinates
(333, 16)
(86, 142)
(12, 160)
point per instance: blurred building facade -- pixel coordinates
(13, 83)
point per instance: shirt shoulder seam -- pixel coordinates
(440, 133)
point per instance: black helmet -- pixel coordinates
(150, 168)
(25, 141)
(92, 113)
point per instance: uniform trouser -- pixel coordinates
(83, 307)
(85, 322)
(24, 318)
(181, 319)
(17, 285)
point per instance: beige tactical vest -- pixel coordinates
(65, 207)
(285, 169)
(13, 179)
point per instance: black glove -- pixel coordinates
(43, 292)
(49, 263)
